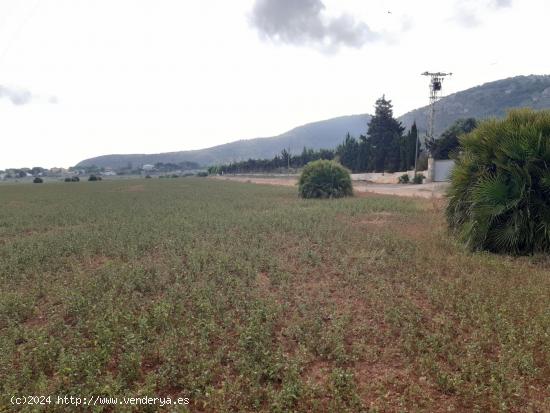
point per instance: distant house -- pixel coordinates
(148, 167)
(58, 171)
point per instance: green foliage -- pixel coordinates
(408, 149)
(404, 179)
(180, 166)
(499, 199)
(94, 178)
(447, 144)
(38, 180)
(279, 163)
(384, 136)
(325, 179)
(202, 174)
(348, 152)
(72, 179)
(384, 149)
(418, 179)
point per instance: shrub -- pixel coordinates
(404, 179)
(499, 199)
(94, 178)
(325, 179)
(202, 174)
(73, 179)
(147, 176)
(68, 180)
(38, 180)
(418, 179)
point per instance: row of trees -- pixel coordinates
(385, 147)
(280, 162)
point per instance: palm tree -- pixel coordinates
(499, 199)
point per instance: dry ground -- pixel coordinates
(431, 190)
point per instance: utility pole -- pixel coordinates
(436, 86)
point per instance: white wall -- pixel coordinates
(384, 178)
(443, 169)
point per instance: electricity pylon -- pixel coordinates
(436, 86)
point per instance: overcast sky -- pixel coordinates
(81, 78)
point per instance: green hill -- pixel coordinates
(488, 100)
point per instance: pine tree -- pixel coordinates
(384, 136)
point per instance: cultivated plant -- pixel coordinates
(325, 179)
(499, 199)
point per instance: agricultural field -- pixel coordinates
(245, 298)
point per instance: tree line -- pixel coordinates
(279, 163)
(385, 148)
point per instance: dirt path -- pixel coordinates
(431, 190)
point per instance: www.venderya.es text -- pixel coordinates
(95, 400)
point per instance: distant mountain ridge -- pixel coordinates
(491, 99)
(316, 135)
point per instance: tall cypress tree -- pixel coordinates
(413, 142)
(384, 136)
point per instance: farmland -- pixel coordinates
(245, 298)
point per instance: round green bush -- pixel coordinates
(38, 180)
(325, 179)
(499, 198)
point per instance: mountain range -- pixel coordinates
(491, 99)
